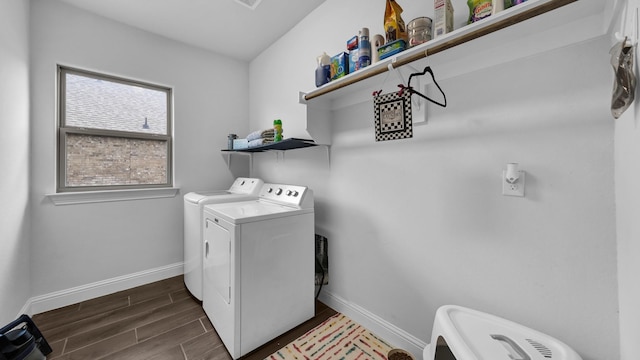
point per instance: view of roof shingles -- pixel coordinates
(102, 104)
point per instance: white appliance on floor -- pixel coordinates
(464, 334)
(259, 266)
(241, 189)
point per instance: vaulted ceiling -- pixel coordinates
(228, 27)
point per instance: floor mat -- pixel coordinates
(338, 337)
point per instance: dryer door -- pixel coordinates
(217, 259)
(219, 277)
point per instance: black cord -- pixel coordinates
(321, 281)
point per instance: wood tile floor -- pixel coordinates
(155, 321)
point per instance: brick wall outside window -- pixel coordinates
(103, 160)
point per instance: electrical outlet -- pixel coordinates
(513, 189)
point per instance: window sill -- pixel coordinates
(86, 197)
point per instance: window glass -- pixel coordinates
(103, 104)
(113, 133)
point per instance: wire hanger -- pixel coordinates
(412, 91)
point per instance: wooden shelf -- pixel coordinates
(504, 19)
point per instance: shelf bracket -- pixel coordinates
(278, 153)
(250, 164)
(302, 98)
(328, 148)
(229, 155)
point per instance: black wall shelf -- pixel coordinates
(286, 144)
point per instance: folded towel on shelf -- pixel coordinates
(261, 134)
(239, 144)
(259, 142)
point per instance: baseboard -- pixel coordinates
(58, 299)
(391, 333)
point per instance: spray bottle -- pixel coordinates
(277, 130)
(364, 49)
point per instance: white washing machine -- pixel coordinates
(241, 189)
(259, 266)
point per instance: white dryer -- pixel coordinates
(241, 189)
(259, 266)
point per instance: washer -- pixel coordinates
(259, 266)
(241, 189)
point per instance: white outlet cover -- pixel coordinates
(516, 189)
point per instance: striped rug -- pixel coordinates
(338, 338)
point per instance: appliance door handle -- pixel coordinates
(514, 350)
(206, 249)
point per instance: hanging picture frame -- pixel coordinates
(393, 116)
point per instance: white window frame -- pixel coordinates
(63, 130)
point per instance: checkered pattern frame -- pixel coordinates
(393, 116)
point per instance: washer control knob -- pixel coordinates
(289, 192)
(243, 182)
(270, 190)
(295, 193)
(279, 191)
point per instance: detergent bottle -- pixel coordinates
(277, 130)
(323, 72)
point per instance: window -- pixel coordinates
(113, 133)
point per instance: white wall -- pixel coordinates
(627, 152)
(75, 245)
(419, 223)
(14, 158)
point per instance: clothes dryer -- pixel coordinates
(259, 266)
(241, 189)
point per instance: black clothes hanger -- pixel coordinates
(412, 91)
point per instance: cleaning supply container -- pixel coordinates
(323, 72)
(277, 130)
(419, 30)
(364, 49)
(21, 340)
(464, 334)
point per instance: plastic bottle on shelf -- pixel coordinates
(364, 49)
(498, 5)
(323, 71)
(277, 130)
(376, 43)
(230, 139)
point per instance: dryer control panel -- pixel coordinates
(294, 195)
(246, 186)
